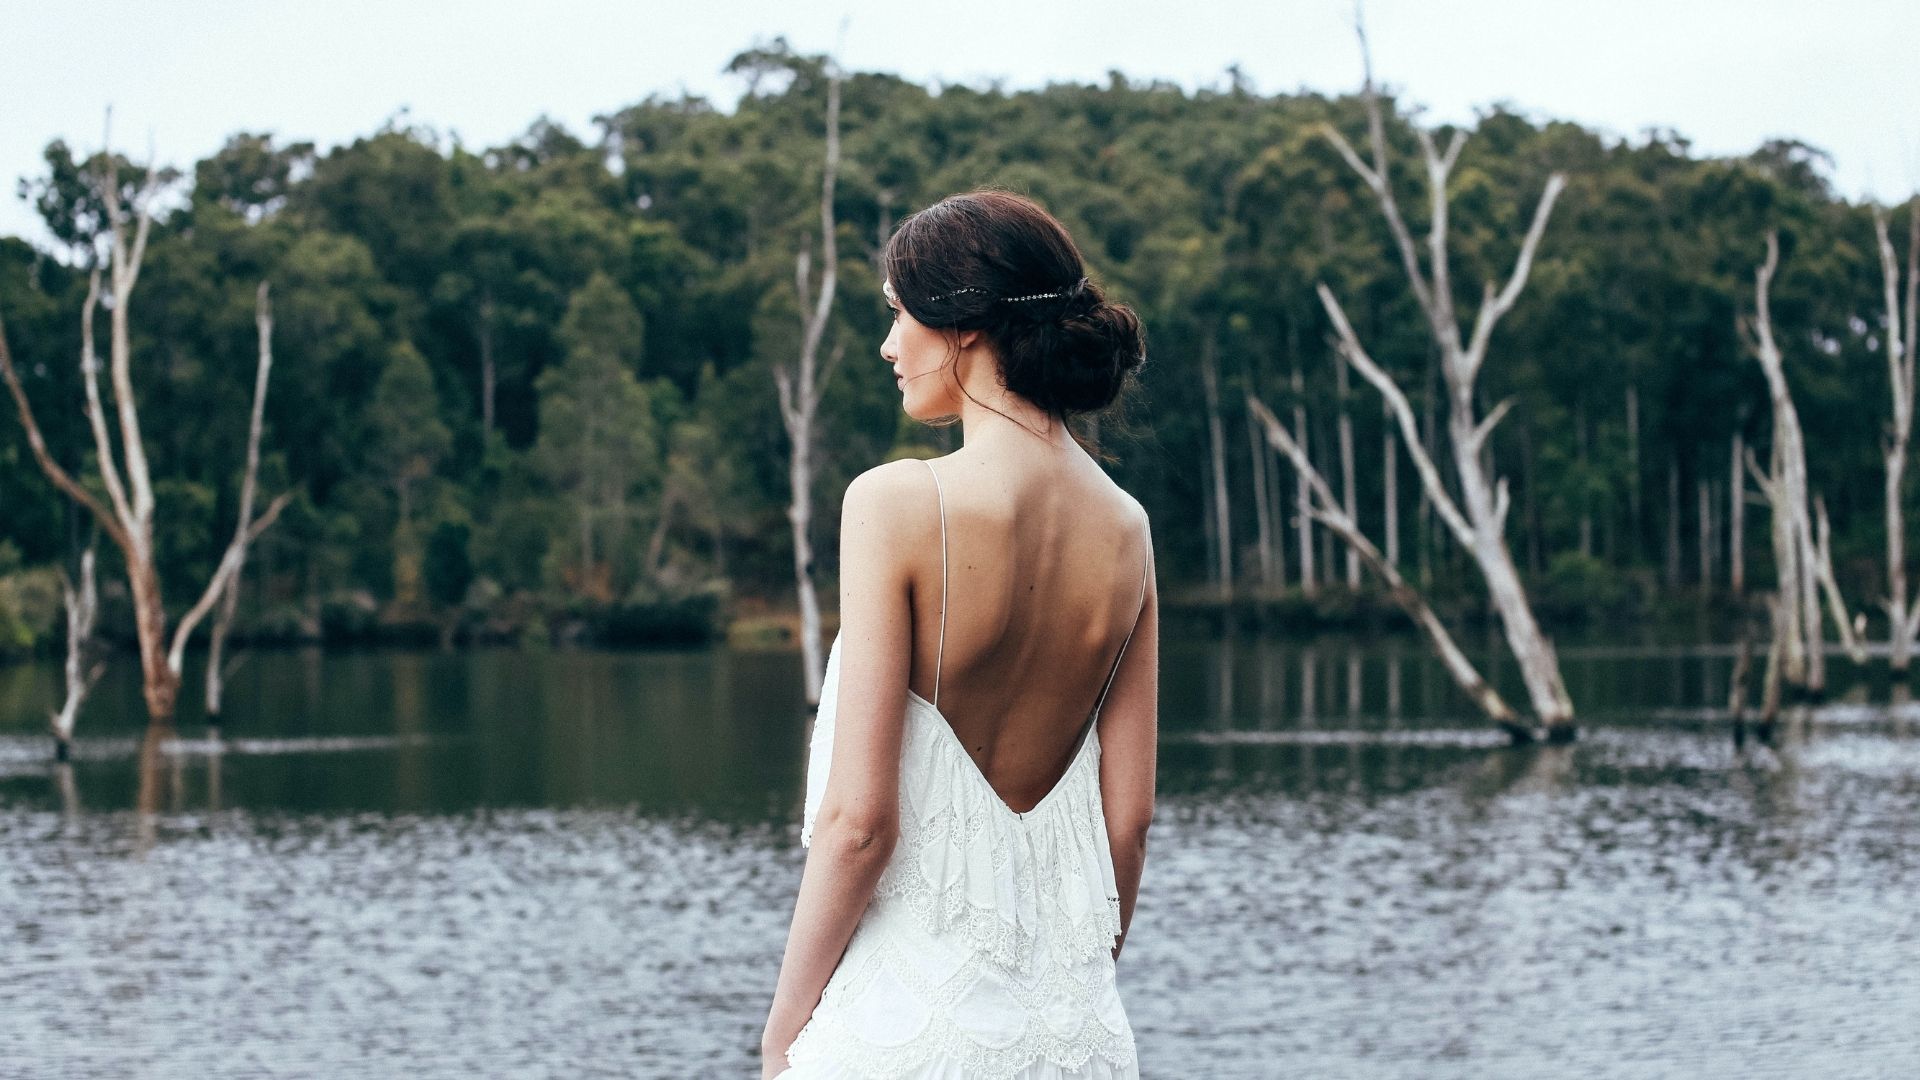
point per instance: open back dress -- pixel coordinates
(987, 950)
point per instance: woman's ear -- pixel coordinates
(968, 337)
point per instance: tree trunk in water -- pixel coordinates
(800, 392)
(127, 517)
(1478, 519)
(230, 595)
(1900, 372)
(82, 604)
(1806, 566)
(1332, 514)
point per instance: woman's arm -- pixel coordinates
(1129, 740)
(859, 816)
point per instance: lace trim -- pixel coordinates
(1084, 992)
(966, 864)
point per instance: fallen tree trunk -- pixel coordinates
(1331, 512)
(1478, 519)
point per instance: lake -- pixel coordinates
(576, 863)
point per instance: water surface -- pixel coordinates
(532, 864)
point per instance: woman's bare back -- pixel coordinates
(1046, 561)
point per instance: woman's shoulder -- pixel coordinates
(891, 478)
(884, 495)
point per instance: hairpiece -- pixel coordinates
(1072, 290)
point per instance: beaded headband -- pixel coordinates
(1072, 290)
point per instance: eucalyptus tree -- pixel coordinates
(1903, 613)
(598, 443)
(128, 515)
(1478, 520)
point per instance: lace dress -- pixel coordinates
(986, 951)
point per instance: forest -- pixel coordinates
(528, 392)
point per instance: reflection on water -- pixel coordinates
(522, 864)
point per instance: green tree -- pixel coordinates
(598, 442)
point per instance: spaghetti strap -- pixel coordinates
(941, 649)
(1145, 564)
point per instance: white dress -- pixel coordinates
(986, 951)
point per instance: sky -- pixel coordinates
(181, 76)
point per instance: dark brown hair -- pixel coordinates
(993, 261)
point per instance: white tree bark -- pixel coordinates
(800, 391)
(1805, 567)
(1479, 525)
(128, 520)
(1331, 512)
(217, 673)
(82, 604)
(1900, 372)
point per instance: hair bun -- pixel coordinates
(1078, 362)
(996, 262)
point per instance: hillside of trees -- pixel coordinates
(529, 386)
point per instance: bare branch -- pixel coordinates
(126, 271)
(1430, 477)
(96, 416)
(1486, 425)
(827, 369)
(38, 443)
(230, 564)
(1913, 286)
(1437, 263)
(1762, 323)
(1327, 509)
(1378, 177)
(801, 281)
(1822, 558)
(1768, 485)
(1340, 143)
(1898, 360)
(1496, 306)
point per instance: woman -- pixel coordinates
(975, 850)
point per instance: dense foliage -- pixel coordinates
(628, 294)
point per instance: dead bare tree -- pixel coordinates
(82, 671)
(1480, 524)
(1903, 612)
(217, 672)
(1803, 563)
(129, 519)
(1332, 513)
(800, 393)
